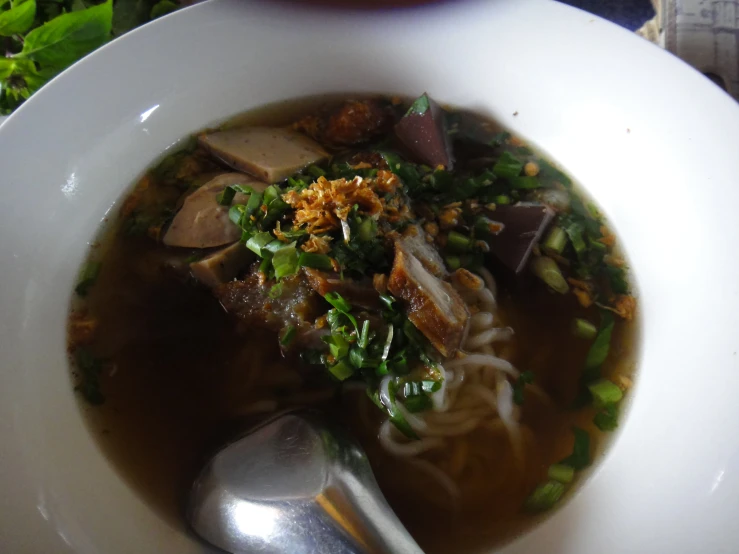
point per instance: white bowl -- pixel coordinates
(652, 140)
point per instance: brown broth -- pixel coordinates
(184, 376)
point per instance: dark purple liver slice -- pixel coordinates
(524, 225)
(423, 132)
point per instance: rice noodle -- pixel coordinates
(440, 399)
(481, 320)
(487, 300)
(485, 360)
(507, 410)
(486, 337)
(489, 280)
(403, 449)
(385, 390)
(476, 394)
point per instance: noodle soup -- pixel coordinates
(424, 278)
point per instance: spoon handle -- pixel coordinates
(379, 529)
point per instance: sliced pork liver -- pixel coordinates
(432, 305)
(202, 222)
(269, 153)
(223, 265)
(423, 131)
(524, 225)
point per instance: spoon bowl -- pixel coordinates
(296, 483)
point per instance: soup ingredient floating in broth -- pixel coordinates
(380, 243)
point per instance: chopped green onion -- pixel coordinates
(315, 171)
(357, 357)
(412, 388)
(258, 241)
(255, 201)
(417, 403)
(599, 349)
(399, 364)
(396, 415)
(236, 213)
(270, 194)
(387, 300)
(367, 230)
(556, 240)
(485, 226)
(548, 271)
(617, 279)
(429, 386)
(226, 196)
(266, 263)
(580, 457)
(583, 329)
(507, 166)
(275, 291)
(561, 473)
(338, 302)
(545, 496)
(364, 335)
(525, 183)
(605, 393)
(607, 418)
(273, 246)
(337, 345)
(288, 336)
(549, 172)
(575, 232)
(420, 105)
(316, 261)
(453, 262)
(420, 388)
(285, 261)
(459, 242)
(388, 342)
(243, 189)
(597, 245)
(382, 369)
(88, 276)
(342, 370)
(265, 266)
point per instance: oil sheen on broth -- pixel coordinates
(166, 374)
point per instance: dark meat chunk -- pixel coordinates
(432, 305)
(524, 225)
(352, 122)
(222, 265)
(474, 140)
(423, 131)
(297, 304)
(270, 153)
(361, 294)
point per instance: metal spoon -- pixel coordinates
(296, 484)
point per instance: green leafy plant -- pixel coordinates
(41, 38)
